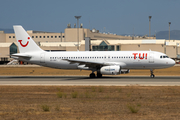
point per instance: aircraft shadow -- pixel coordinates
(84, 78)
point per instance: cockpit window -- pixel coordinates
(164, 56)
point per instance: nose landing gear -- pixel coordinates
(152, 75)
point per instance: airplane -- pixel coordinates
(102, 62)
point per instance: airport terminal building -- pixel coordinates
(88, 40)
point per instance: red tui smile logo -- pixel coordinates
(20, 41)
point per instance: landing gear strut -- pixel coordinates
(92, 75)
(99, 75)
(152, 75)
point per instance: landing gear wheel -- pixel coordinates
(99, 75)
(152, 75)
(92, 75)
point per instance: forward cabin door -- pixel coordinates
(42, 58)
(151, 57)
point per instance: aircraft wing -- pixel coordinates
(94, 64)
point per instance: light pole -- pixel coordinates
(169, 30)
(77, 17)
(150, 26)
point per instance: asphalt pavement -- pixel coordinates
(86, 81)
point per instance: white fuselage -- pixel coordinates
(125, 59)
(104, 62)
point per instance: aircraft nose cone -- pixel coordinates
(172, 62)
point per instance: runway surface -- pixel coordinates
(86, 81)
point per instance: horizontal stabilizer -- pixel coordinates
(21, 55)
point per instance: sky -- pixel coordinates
(113, 16)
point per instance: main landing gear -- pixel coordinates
(99, 75)
(152, 75)
(92, 75)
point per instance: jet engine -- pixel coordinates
(110, 70)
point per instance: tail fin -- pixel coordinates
(25, 42)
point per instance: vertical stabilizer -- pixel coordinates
(25, 42)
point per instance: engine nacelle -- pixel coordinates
(125, 71)
(110, 70)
